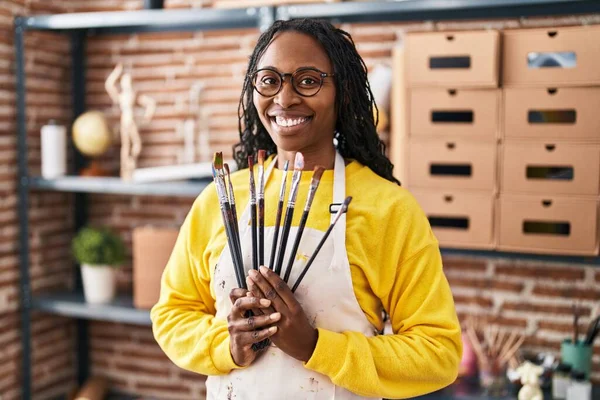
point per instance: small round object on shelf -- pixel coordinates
(91, 134)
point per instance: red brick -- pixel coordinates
(497, 320)
(541, 272)
(167, 387)
(139, 368)
(561, 327)
(598, 276)
(55, 389)
(543, 308)
(534, 341)
(140, 355)
(482, 301)
(457, 264)
(487, 283)
(567, 292)
(191, 376)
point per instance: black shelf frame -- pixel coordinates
(114, 185)
(73, 305)
(81, 25)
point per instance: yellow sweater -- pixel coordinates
(395, 265)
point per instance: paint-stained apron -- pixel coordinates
(326, 295)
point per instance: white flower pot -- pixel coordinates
(99, 282)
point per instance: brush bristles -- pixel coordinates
(251, 162)
(286, 165)
(318, 173)
(218, 160)
(261, 156)
(299, 162)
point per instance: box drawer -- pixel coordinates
(454, 112)
(552, 113)
(552, 56)
(453, 59)
(462, 219)
(550, 168)
(452, 164)
(548, 224)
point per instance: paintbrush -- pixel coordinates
(338, 215)
(227, 219)
(233, 208)
(278, 217)
(253, 213)
(314, 184)
(261, 207)
(289, 213)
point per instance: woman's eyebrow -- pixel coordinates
(301, 67)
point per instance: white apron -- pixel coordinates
(326, 295)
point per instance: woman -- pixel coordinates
(306, 86)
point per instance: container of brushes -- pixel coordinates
(578, 356)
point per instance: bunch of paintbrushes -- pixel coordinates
(227, 204)
(494, 347)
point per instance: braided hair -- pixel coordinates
(355, 125)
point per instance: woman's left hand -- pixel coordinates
(295, 335)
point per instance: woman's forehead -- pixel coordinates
(291, 50)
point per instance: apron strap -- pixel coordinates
(339, 231)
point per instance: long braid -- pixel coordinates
(355, 127)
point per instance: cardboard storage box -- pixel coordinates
(152, 248)
(459, 218)
(454, 112)
(453, 59)
(552, 56)
(548, 224)
(552, 113)
(550, 168)
(452, 164)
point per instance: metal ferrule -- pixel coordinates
(252, 190)
(282, 189)
(294, 189)
(261, 182)
(221, 193)
(231, 195)
(311, 195)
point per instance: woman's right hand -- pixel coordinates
(245, 331)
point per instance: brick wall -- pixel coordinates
(47, 66)
(531, 296)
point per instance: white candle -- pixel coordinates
(54, 150)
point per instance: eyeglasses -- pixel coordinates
(306, 81)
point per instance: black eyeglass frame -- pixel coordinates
(282, 75)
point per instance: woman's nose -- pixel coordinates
(287, 96)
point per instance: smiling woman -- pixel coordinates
(306, 90)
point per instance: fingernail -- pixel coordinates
(273, 329)
(263, 269)
(252, 273)
(275, 316)
(265, 302)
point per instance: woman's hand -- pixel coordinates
(295, 335)
(244, 332)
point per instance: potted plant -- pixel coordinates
(99, 252)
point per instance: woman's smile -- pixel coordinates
(289, 125)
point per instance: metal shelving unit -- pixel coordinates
(113, 185)
(79, 26)
(73, 305)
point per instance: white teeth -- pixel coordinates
(281, 121)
